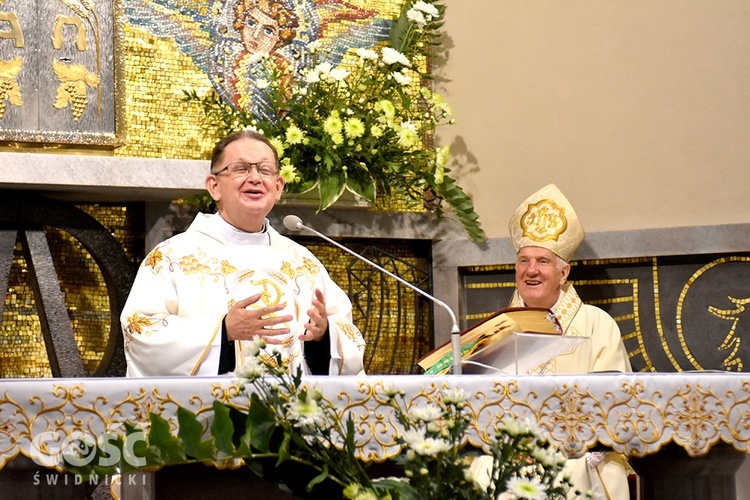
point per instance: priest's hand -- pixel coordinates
(244, 324)
(316, 327)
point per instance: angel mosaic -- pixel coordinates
(224, 37)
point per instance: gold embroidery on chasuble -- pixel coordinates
(351, 332)
(153, 259)
(137, 324)
(566, 310)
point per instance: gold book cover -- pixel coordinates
(492, 329)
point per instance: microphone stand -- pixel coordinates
(294, 223)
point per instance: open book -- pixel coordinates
(498, 326)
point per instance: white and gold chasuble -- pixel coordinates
(185, 286)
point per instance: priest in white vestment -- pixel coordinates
(545, 231)
(200, 295)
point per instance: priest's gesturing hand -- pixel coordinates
(316, 327)
(243, 323)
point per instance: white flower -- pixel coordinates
(516, 428)
(407, 134)
(311, 76)
(257, 57)
(532, 427)
(425, 7)
(253, 347)
(401, 78)
(324, 68)
(417, 17)
(313, 46)
(531, 489)
(306, 413)
(262, 83)
(339, 74)
(548, 457)
(431, 447)
(425, 413)
(367, 54)
(595, 493)
(393, 56)
(441, 159)
(413, 436)
(249, 370)
(315, 393)
(389, 391)
(455, 395)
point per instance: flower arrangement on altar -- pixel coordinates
(286, 420)
(363, 126)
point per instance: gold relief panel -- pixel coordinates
(58, 78)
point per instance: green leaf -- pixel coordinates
(349, 439)
(364, 188)
(318, 479)
(462, 206)
(191, 433)
(301, 186)
(164, 448)
(260, 427)
(331, 187)
(284, 452)
(222, 428)
(400, 28)
(104, 462)
(402, 489)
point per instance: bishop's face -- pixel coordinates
(539, 276)
(260, 32)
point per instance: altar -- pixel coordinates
(699, 418)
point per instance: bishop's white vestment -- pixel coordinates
(173, 316)
(604, 351)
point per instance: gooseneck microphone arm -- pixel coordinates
(294, 223)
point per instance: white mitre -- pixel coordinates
(547, 220)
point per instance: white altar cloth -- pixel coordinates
(634, 414)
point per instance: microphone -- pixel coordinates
(294, 223)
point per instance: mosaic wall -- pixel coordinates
(23, 353)
(158, 122)
(395, 321)
(675, 313)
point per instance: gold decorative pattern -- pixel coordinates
(72, 89)
(544, 221)
(657, 312)
(15, 33)
(732, 340)
(9, 90)
(634, 414)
